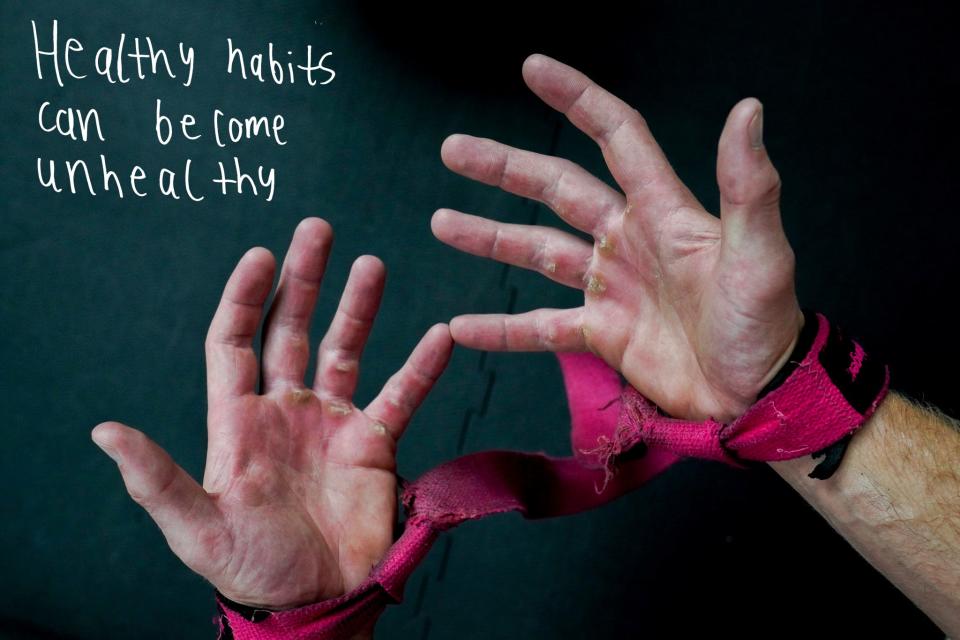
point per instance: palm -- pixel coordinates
(696, 312)
(299, 493)
(313, 508)
(695, 338)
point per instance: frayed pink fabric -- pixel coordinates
(806, 414)
(475, 486)
(608, 421)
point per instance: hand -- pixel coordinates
(299, 492)
(698, 313)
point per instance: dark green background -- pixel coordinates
(105, 302)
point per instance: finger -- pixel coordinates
(630, 150)
(194, 527)
(581, 199)
(559, 256)
(749, 185)
(407, 388)
(286, 332)
(539, 330)
(231, 363)
(338, 361)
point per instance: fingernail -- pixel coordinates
(107, 450)
(755, 129)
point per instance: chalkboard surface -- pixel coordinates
(106, 300)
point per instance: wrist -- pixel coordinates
(819, 398)
(813, 405)
(795, 350)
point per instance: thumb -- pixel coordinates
(188, 517)
(749, 185)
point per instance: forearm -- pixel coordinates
(896, 499)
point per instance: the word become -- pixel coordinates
(230, 128)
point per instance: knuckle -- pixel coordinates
(538, 254)
(502, 170)
(550, 337)
(550, 332)
(399, 400)
(735, 188)
(337, 363)
(505, 333)
(138, 496)
(495, 246)
(550, 189)
(635, 120)
(774, 187)
(762, 187)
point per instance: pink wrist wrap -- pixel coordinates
(828, 394)
(831, 389)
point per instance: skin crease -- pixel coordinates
(699, 313)
(298, 500)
